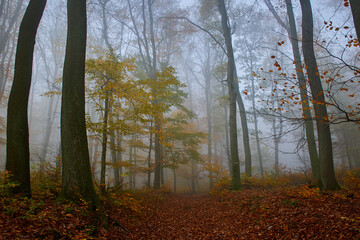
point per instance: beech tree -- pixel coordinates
(327, 173)
(76, 173)
(17, 148)
(355, 8)
(309, 126)
(236, 181)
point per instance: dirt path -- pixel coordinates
(259, 215)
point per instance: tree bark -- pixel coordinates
(327, 173)
(236, 181)
(17, 148)
(157, 150)
(104, 145)
(131, 171)
(244, 127)
(277, 137)
(49, 122)
(207, 76)
(134, 169)
(257, 139)
(355, 9)
(149, 159)
(114, 159)
(119, 157)
(309, 125)
(76, 172)
(226, 126)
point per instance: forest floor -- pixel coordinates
(297, 213)
(282, 213)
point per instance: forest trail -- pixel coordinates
(189, 217)
(248, 215)
(286, 213)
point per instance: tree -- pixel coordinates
(52, 40)
(110, 88)
(309, 126)
(307, 115)
(206, 58)
(155, 35)
(10, 12)
(236, 181)
(17, 148)
(250, 36)
(355, 8)
(327, 173)
(76, 173)
(182, 143)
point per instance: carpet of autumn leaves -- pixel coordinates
(285, 212)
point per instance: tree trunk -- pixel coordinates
(309, 126)
(193, 178)
(174, 171)
(149, 160)
(208, 115)
(131, 164)
(47, 134)
(17, 148)
(162, 175)
(327, 173)
(76, 172)
(94, 159)
(104, 145)
(58, 164)
(257, 139)
(157, 171)
(236, 181)
(245, 129)
(4, 75)
(355, 8)
(134, 169)
(277, 137)
(119, 157)
(227, 146)
(114, 158)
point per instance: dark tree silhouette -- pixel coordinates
(76, 172)
(17, 148)
(327, 173)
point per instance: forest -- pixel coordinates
(179, 119)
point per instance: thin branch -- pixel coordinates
(203, 29)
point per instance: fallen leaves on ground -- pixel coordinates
(291, 213)
(251, 214)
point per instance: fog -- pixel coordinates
(187, 36)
